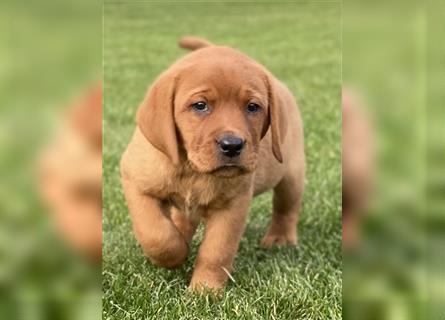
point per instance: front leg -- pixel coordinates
(160, 240)
(223, 230)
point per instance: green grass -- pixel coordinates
(300, 43)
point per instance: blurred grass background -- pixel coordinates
(49, 51)
(301, 44)
(393, 56)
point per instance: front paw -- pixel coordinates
(208, 281)
(279, 239)
(169, 252)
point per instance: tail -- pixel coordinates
(193, 43)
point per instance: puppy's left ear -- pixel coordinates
(277, 118)
(155, 116)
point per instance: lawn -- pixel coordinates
(301, 44)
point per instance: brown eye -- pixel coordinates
(200, 106)
(253, 108)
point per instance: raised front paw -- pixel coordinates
(168, 250)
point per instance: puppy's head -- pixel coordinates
(212, 108)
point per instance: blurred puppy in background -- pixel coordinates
(70, 175)
(357, 164)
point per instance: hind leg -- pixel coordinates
(286, 206)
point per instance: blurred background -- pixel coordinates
(393, 69)
(50, 54)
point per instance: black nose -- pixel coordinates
(230, 146)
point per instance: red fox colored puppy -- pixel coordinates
(214, 130)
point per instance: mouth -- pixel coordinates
(229, 169)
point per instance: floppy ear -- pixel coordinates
(155, 117)
(277, 119)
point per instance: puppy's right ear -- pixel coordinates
(155, 116)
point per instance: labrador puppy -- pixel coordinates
(213, 131)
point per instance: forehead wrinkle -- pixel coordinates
(255, 93)
(200, 90)
(224, 82)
